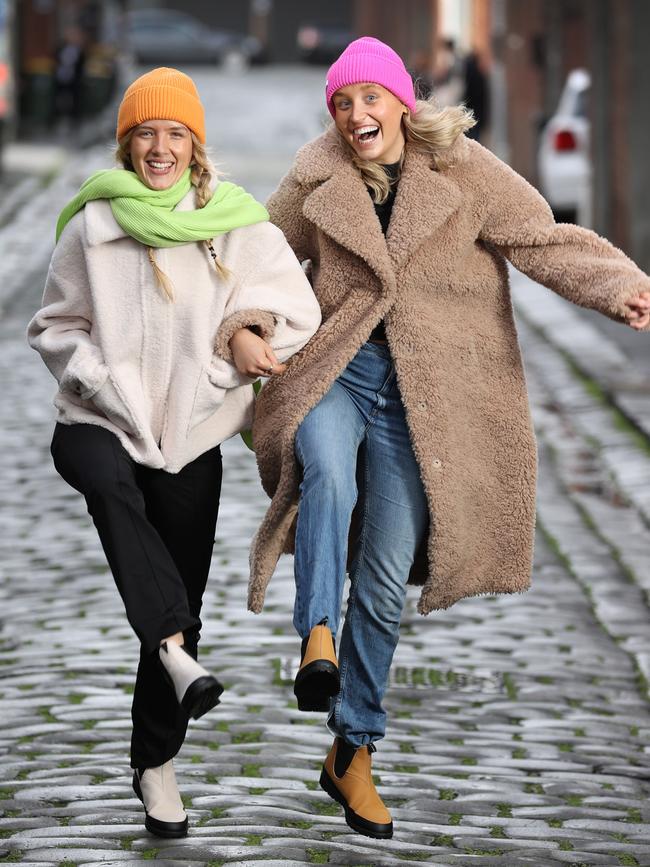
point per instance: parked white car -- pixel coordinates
(564, 159)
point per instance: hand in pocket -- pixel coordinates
(109, 402)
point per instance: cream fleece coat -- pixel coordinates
(159, 374)
(439, 280)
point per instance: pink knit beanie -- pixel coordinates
(372, 61)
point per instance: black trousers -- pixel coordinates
(157, 530)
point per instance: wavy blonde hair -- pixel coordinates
(201, 174)
(429, 129)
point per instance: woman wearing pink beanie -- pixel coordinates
(398, 445)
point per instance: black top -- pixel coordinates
(384, 212)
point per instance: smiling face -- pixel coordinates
(160, 151)
(369, 118)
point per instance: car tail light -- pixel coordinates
(4, 80)
(308, 38)
(564, 140)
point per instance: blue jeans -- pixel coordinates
(355, 442)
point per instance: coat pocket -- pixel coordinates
(110, 403)
(208, 397)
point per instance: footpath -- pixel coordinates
(519, 727)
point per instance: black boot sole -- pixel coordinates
(201, 696)
(315, 684)
(167, 830)
(357, 823)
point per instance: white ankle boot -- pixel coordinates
(165, 815)
(196, 689)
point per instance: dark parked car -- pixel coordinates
(169, 36)
(322, 44)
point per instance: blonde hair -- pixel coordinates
(201, 174)
(429, 129)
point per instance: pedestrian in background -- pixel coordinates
(69, 66)
(398, 445)
(448, 72)
(168, 293)
(476, 94)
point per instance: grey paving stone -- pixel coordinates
(576, 856)
(270, 862)
(138, 862)
(79, 856)
(593, 817)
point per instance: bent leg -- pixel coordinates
(93, 461)
(394, 522)
(327, 443)
(183, 508)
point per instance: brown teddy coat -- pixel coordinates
(439, 279)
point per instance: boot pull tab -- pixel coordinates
(372, 748)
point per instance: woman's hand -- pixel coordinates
(253, 356)
(639, 311)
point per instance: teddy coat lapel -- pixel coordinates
(340, 204)
(425, 200)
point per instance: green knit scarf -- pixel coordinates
(149, 216)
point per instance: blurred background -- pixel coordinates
(553, 83)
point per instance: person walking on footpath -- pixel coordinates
(168, 294)
(398, 445)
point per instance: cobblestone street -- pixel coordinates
(518, 726)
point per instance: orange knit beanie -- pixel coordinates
(162, 94)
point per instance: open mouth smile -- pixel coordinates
(160, 167)
(366, 134)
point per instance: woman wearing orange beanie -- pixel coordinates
(168, 294)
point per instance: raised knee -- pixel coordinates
(104, 488)
(383, 605)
